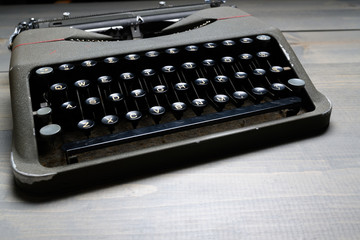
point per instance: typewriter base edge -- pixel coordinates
(185, 155)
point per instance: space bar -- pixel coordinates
(80, 146)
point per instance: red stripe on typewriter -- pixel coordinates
(240, 16)
(30, 43)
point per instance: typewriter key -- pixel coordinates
(86, 126)
(50, 137)
(139, 95)
(239, 97)
(58, 93)
(156, 113)
(259, 93)
(69, 108)
(45, 76)
(82, 84)
(201, 84)
(220, 101)
(133, 117)
(198, 105)
(160, 94)
(296, 84)
(278, 89)
(264, 40)
(104, 81)
(178, 109)
(110, 121)
(43, 115)
(111, 61)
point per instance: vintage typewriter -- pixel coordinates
(96, 96)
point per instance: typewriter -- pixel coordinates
(97, 96)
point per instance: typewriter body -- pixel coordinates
(88, 106)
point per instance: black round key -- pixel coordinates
(210, 45)
(111, 60)
(259, 72)
(239, 97)
(192, 48)
(198, 105)
(133, 117)
(160, 89)
(139, 97)
(181, 86)
(259, 75)
(58, 87)
(110, 121)
(278, 89)
(202, 82)
(228, 43)
(246, 40)
(228, 63)
(168, 69)
(86, 125)
(220, 100)
(221, 79)
(115, 97)
(259, 93)
(69, 106)
(263, 54)
(228, 60)
(93, 104)
(148, 72)
(127, 76)
(132, 57)
(138, 93)
(188, 65)
(89, 63)
(70, 111)
(178, 109)
(240, 75)
(209, 67)
(172, 51)
(276, 69)
(82, 84)
(104, 81)
(152, 54)
(208, 63)
(149, 75)
(58, 93)
(245, 56)
(67, 67)
(157, 112)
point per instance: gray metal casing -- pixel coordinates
(42, 47)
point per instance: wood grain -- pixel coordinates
(304, 189)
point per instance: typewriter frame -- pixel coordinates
(41, 47)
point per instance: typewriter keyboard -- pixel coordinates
(97, 106)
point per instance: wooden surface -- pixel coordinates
(305, 189)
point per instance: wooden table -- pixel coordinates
(305, 189)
